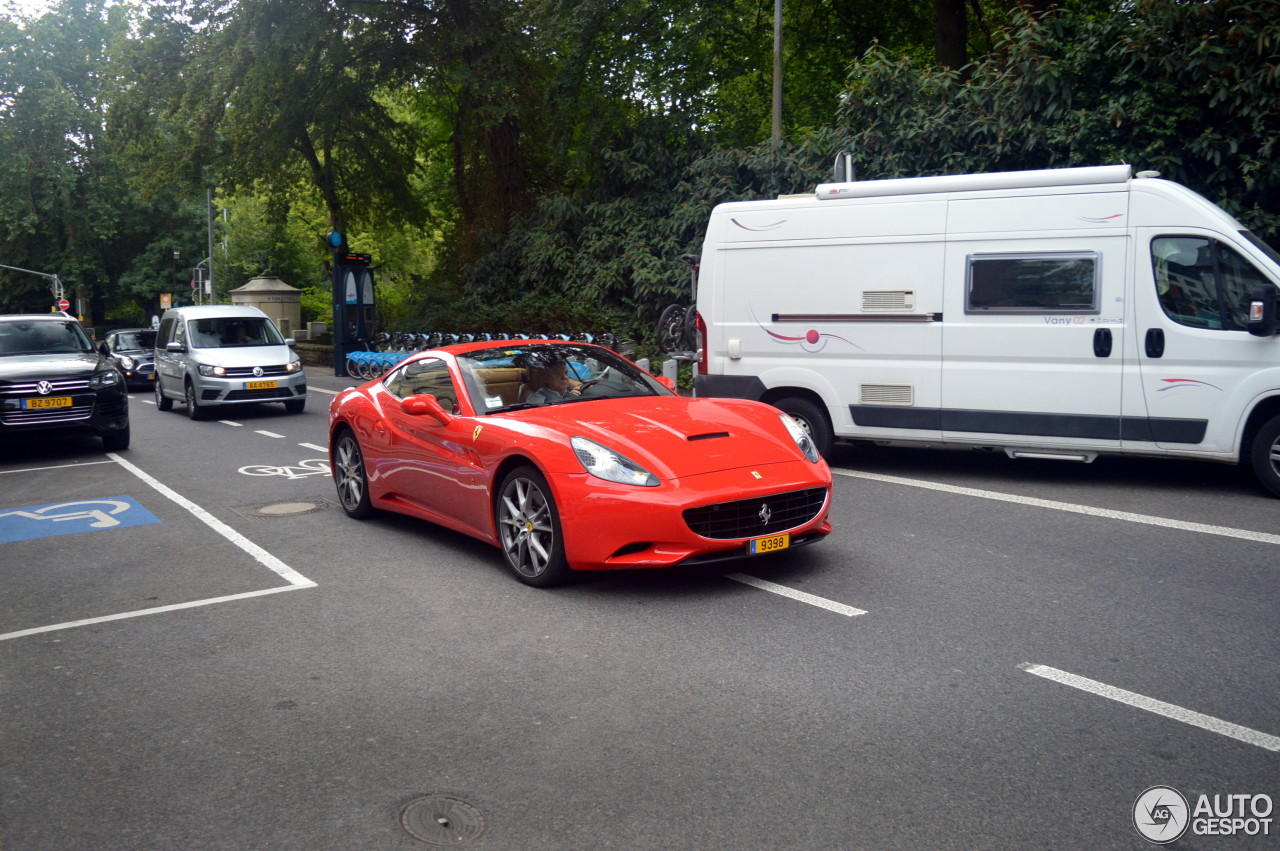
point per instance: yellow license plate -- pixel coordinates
(260, 385)
(771, 544)
(51, 402)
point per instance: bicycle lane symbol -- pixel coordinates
(69, 518)
(303, 469)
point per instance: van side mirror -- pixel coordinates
(290, 342)
(174, 347)
(1264, 305)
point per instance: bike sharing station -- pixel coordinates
(354, 305)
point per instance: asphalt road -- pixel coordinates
(986, 654)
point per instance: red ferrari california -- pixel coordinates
(568, 457)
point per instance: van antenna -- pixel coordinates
(845, 170)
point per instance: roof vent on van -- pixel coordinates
(873, 300)
(1150, 174)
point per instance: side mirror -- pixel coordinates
(666, 382)
(1263, 306)
(421, 405)
(174, 347)
(290, 342)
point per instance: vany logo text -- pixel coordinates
(1082, 320)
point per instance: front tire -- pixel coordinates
(1266, 455)
(349, 476)
(194, 411)
(163, 402)
(812, 419)
(529, 529)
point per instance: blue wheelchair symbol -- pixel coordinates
(69, 518)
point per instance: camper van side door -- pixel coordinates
(1034, 342)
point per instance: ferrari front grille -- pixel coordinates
(752, 518)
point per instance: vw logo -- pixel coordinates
(257, 371)
(764, 514)
(44, 388)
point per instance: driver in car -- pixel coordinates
(550, 383)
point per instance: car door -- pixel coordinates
(426, 462)
(171, 366)
(1200, 368)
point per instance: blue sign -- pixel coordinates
(69, 518)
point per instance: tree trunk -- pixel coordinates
(951, 33)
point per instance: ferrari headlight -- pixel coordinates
(801, 437)
(110, 378)
(606, 464)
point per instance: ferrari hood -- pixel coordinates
(674, 437)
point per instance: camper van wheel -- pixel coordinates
(811, 418)
(1266, 455)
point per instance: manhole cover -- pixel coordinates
(442, 820)
(292, 508)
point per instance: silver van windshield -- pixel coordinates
(232, 332)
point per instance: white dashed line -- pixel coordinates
(1159, 707)
(803, 597)
(269, 434)
(313, 446)
(1127, 516)
(230, 423)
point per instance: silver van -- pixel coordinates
(225, 355)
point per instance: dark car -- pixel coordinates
(53, 380)
(134, 351)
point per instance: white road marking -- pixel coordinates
(322, 390)
(262, 556)
(55, 467)
(1159, 707)
(158, 610)
(313, 446)
(803, 597)
(231, 423)
(1127, 516)
(269, 434)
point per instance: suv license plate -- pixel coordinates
(49, 402)
(773, 543)
(260, 385)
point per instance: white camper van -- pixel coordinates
(1062, 313)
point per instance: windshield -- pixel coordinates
(232, 332)
(26, 337)
(135, 340)
(518, 377)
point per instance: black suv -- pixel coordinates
(52, 379)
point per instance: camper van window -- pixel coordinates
(1047, 282)
(1203, 283)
